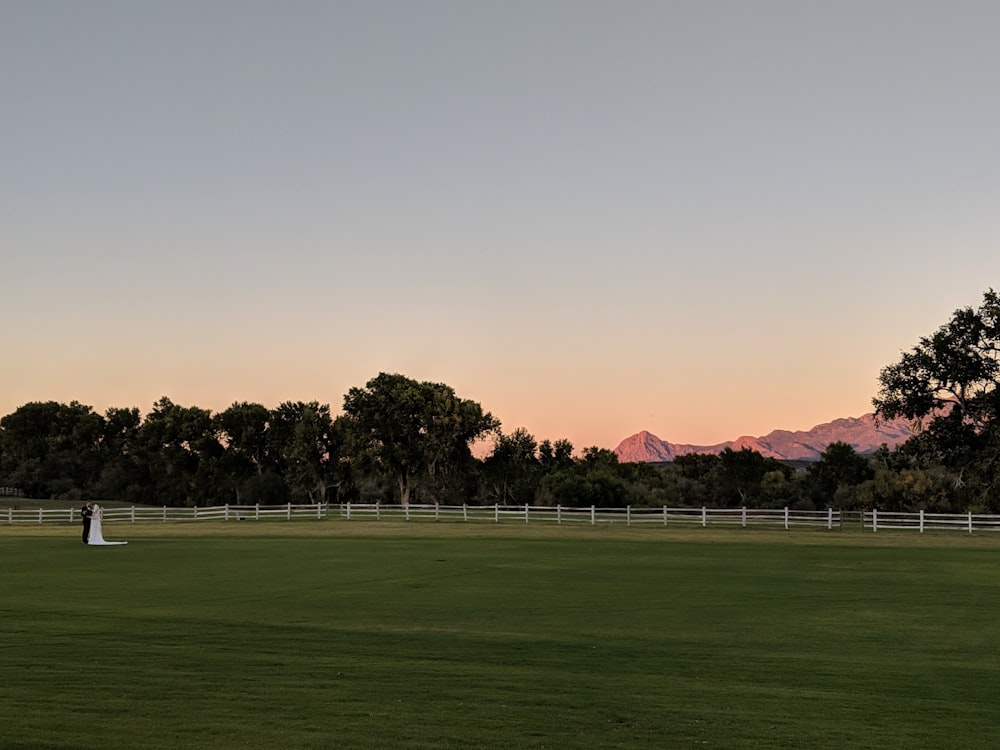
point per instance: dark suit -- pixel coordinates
(87, 512)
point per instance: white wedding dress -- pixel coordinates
(96, 535)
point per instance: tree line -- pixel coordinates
(399, 440)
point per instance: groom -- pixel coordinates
(87, 512)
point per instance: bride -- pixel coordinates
(96, 535)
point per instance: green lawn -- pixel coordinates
(368, 635)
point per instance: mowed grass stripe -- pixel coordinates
(516, 639)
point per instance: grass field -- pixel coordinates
(368, 635)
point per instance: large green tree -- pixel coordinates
(244, 430)
(597, 479)
(742, 472)
(121, 476)
(243, 427)
(839, 467)
(50, 448)
(179, 449)
(954, 370)
(314, 454)
(413, 430)
(948, 385)
(510, 473)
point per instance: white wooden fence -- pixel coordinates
(879, 520)
(785, 518)
(134, 514)
(592, 515)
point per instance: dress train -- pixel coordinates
(96, 534)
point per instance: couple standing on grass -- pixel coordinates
(92, 514)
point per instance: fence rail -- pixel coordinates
(877, 520)
(830, 519)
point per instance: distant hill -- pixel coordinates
(804, 445)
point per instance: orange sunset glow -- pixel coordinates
(701, 220)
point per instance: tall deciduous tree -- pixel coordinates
(555, 456)
(741, 473)
(838, 466)
(597, 480)
(314, 455)
(412, 429)
(181, 452)
(510, 472)
(50, 448)
(955, 369)
(243, 429)
(948, 384)
(120, 474)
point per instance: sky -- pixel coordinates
(700, 218)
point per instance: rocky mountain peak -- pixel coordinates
(862, 433)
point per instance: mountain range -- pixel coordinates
(863, 433)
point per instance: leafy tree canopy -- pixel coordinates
(948, 385)
(412, 428)
(954, 369)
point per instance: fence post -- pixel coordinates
(921, 520)
(829, 518)
(593, 516)
(196, 513)
(526, 513)
(465, 512)
(786, 517)
(133, 514)
(378, 510)
(874, 519)
(664, 515)
(348, 510)
(256, 512)
(628, 515)
(744, 514)
(164, 514)
(39, 516)
(970, 521)
(559, 515)
(405, 508)
(289, 511)
(704, 516)
(496, 512)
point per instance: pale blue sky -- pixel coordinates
(703, 219)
